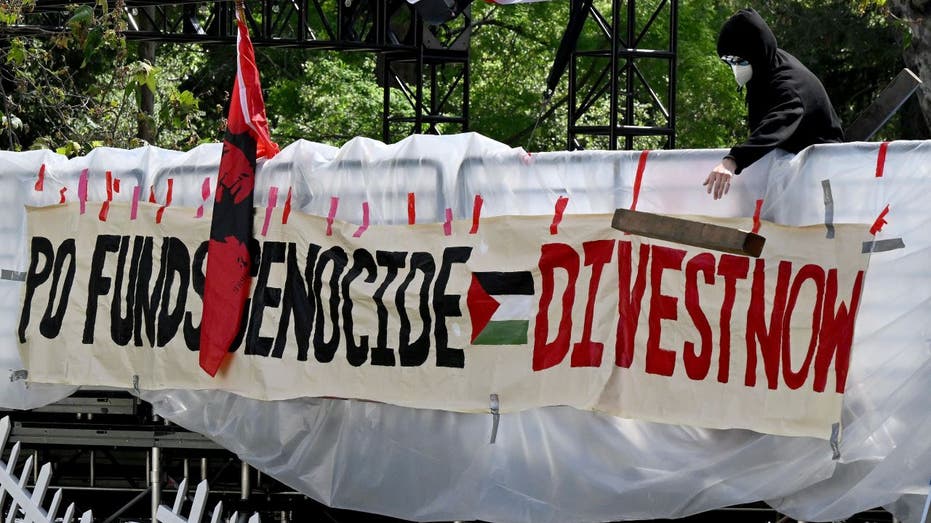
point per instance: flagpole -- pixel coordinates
(241, 10)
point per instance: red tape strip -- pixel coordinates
(880, 221)
(365, 221)
(109, 186)
(40, 182)
(152, 194)
(137, 193)
(105, 207)
(287, 208)
(476, 213)
(161, 210)
(82, 190)
(334, 204)
(561, 204)
(881, 159)
(411, 209)
(61, 194)
(756, 216)
(272, 203)
(204, 194)
(641, 166)
(448, 224)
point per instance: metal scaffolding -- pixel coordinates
(424, 57)
(620, 56)
(622, 74)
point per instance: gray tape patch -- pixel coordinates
(835, 441)
(828, 208)
(495, 416)
(6, 274)
(20, 374)
(883, 245)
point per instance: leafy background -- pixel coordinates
(84, 87)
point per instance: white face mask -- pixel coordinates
(742, 69)
(742, 73)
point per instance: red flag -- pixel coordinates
(228, 281)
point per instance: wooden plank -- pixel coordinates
(886, 104)
(688, 232)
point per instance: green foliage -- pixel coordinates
(512, 50)
(332, 98)
(83, 87)
(80, 88)
(854, 47)
(711, 112)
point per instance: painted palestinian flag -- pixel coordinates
(500, 304)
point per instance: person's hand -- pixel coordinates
(719, 181)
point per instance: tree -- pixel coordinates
(79, 88)
(916, 15)
(854, 47)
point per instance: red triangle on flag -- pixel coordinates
(481, 307)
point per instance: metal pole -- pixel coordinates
(92, 460)
(674, 47)
(418, 68)
(155, 482)
(187, 469)
(203, 469)
(629, 68)
(570, 134)
(615, 88)
(386, 100)
(466, 85)
(434, 109)
(244, 481)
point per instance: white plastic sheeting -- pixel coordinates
(558, 464)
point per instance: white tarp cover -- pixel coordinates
(557, 464)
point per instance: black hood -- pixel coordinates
(746, 35)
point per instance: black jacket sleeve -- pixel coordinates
(774, 129)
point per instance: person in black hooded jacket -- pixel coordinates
(787, 106)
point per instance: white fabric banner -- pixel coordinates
(537, 310)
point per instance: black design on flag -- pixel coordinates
(228, 277)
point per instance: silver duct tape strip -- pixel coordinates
(835, 441)
(21, 374)
(828, 208)
(883, 245)
(6, 274)
(495, 417)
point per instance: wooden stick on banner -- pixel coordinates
(687, 232)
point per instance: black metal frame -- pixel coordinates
(428, 64)
(620, 78)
